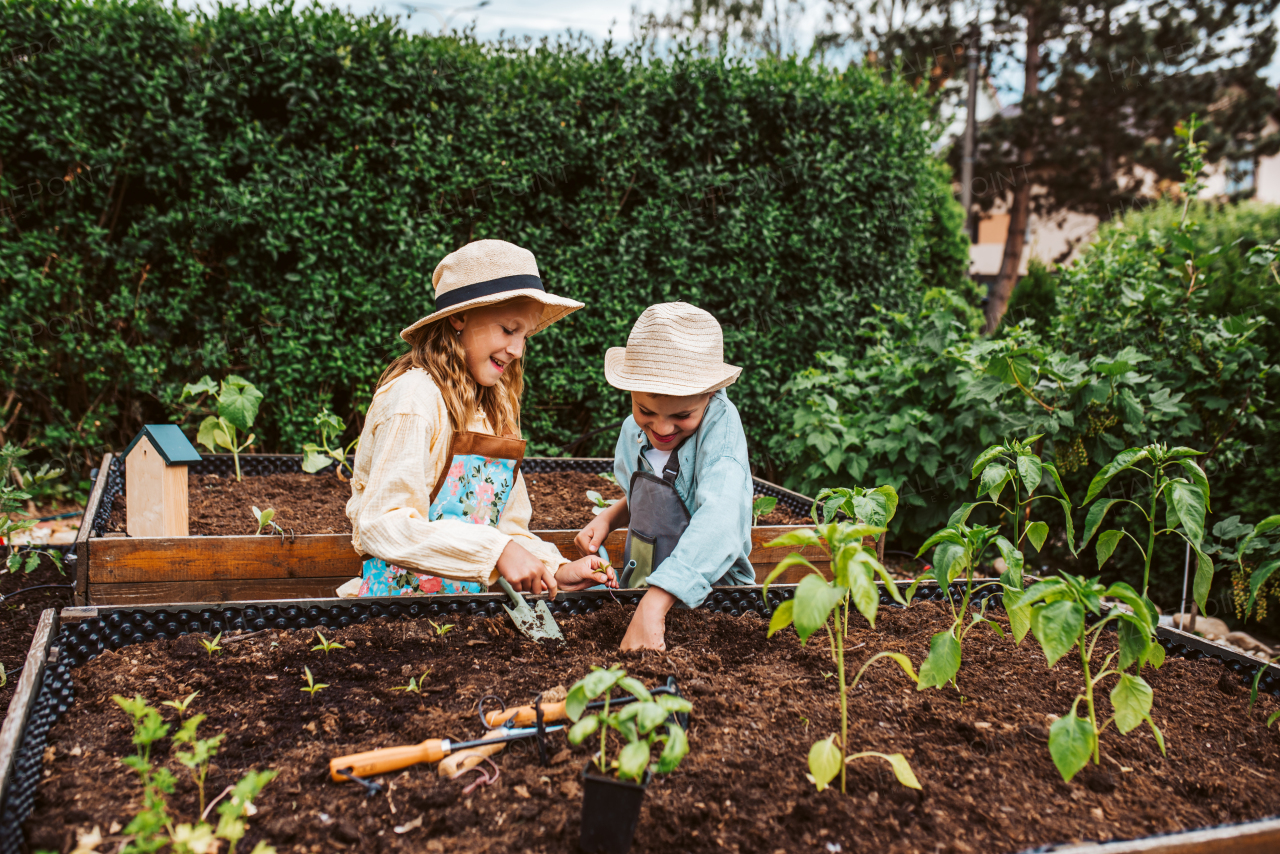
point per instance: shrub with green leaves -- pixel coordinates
(13, 491)
(637, 723)
(1055, 609)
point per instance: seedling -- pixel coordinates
(264, 518)
(1056, 608)
(13, 491)
(238, 402)
(316, 457)
(212, 647)
(820, 603)
(415, 685)
(312, 685)
(1253, 691)
(441, 629)
(154, 827)
(601, 504)
(1186, 502)
(636, 722)
(326, 645)
(762, 506)
(181, 705)
(1015, 464)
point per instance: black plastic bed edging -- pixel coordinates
(82, 641)
(256, 465)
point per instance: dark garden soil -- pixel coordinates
(316, 504)
(989, 784)
(19, 615)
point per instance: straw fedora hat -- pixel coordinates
(674, 348)
(486, 272)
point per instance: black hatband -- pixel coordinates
(485, 289)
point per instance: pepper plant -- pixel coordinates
(1014, 463)
(868, 506)
(821, 603)
(637, 722)
(237, 406)
(1056, 608)
(317, 456)
(1178, 482)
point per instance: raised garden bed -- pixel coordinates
(988, 783)
(113, 568)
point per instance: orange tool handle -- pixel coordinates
(469, 758)
(520, 716)
(388, 759)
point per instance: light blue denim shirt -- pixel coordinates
(715, 484)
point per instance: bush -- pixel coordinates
(265, 192)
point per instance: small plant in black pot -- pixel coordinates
(612, 791)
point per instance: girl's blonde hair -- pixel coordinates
(435, 349)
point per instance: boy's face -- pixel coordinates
(668, 420)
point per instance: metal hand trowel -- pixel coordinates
(535, 623)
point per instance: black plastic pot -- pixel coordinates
(610, 811)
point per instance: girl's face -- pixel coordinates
(668, 420)
(493, 336)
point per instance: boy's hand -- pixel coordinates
(585, 572)
(648, 629)
(593, 536)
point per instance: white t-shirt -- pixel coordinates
(657, 459)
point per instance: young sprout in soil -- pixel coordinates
(212, 647)
(441, 629)
(154, 827)
(312, 685)
(1186, 502)
(819, 603)
(238, 402)
(1017, 465)
(316, 457)
(960, 549)
(1055, 609)
(1253, 689)
(865, 506)
(601, 504)
(637, 722)
(762, 506)
(264, 518)
(326, 645)
(181, 705)
(415, 685)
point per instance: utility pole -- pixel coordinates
(970, 131)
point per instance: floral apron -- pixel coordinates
(476, 487)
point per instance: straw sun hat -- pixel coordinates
(486, 272)
(674, 348)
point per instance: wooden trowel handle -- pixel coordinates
(388, 759)
(472, 756)
(525, 715)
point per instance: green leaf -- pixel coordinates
(1037, 533)
(633, 760)
(1204, 578)
(786, 563)
(1019, 614)
(1057, 627)
(673, 704)
(782, 617)
(1107, 542)
(204, 385)
(1190, 503)
(985, 457)
(635, 688)
(1131, 699)
(1259, 578)
(238, 403)
(1030, 470)
(802, 537)
(901, 768)
(677, 748)
(864, 592)
(1094, 520)
(1071, 532)
(994, 477)
(824, 761)
(583, 729)
(313, 460)
(1057, 481)
(942, 663)
(891, 501)
(575, 703)
(1132, 641)
(814, 599)
(208, 435)
(1071, 741)
(1123, 460)
(649, 716)
(1198, 477)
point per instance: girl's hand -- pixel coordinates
(525, 572)
(593, 536)
(585, 572)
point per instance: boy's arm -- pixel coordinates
(720, 525)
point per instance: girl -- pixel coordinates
(438, 504)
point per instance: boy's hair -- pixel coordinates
(435, 349)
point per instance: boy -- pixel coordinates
(682, 460)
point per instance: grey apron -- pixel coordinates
(658, 519)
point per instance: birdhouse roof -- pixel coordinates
(169, 440)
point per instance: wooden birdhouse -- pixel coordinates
(155, 477)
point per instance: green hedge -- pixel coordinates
(267, 191)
